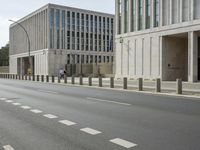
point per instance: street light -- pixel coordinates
(29, 49)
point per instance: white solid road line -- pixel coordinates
(25, 107)
(36, 111)
(50, 116)
(8, 147)
(16, 104)
(90, 131)
(108, 101)
(9, 101)
(123, 143)
(44, 91)
(67, 122)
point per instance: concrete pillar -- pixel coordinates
(179, 86)
(90, 81)
(112, 82)
(192, 57)
(125, 82)
(140, 84)
(158, 85)
(81, 80)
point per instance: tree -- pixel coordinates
(4, 56)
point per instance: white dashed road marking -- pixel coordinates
(8, 147)
(44, 91)
(9, 101)
(3, 99)
(90, 131)
(108, 101)
(16, 104)
(67, 122)
(36, 111)
(25, 107)
(50, 116)
(123, 143)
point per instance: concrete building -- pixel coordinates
(158, 39)
(61, 35)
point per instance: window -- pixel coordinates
(87, 23)
(73, 40)
(78, 22)
(73, 21)
(68, 20)
(82, 23)
(99, 24)
(63, 30)
(148, 13)
(51, 28)
(140, 22)
(119, 16)
(133, 15)
(58, 27)
(68, 40)
(95, 24)
(126, 12)
(91, 23)
(157, 13)
(104, 25)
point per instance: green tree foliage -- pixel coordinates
(4, 56)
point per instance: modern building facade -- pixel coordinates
(61, 35)
(158, 39)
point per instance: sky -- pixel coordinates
(16, 9)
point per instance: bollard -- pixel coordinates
(58, 79)
(33, 78)
(125, 83)
(47, 78)
(158, 85)
(111, 82)
(140, 84)
(90, 81)
(38, 78)
(25, 77)
(65, 79)
(29, 77)
(179, 86)
(42, 78)
(73, 81)
(81, 80)
(53, 79)
(100, 82)
(19, 77)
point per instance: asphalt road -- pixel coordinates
(42, 116)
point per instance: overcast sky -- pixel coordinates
(16, 9)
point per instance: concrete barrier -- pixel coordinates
(90, 81)
(111, 82)
(100, 82)
(158, 85)
(179, 86)
(140, 84)
(125, 82)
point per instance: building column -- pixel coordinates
(192, 57)
(144, 14)
(136, 14)
(181, 11)
(191, 9)
(161, 13)
(122, 16)
(170, 12)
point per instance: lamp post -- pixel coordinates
(29, 48)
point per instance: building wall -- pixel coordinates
(139, 48)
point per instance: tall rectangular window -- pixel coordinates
(91, 23)
(157, 13)
(133, 15)
(73, 21)
(82, 22)
(126, 12)
(63, 30)
(119, 16)
(68, 20)
(148, 13)
(87, 23)
(51, 22)
(140, 17)
(58, 27)
(78, 21)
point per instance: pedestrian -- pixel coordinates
(61, 73)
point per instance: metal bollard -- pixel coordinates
(47, 78)
(179, 86)
(42, 78)
(58, 79)
(125, 83)
(90, 81)
(100, 82)
(140, 84)
(81, 80)
(29, 77)
(25, 77)
(73, 80)
(53, 79)
(158, 85)
(65, 79)
(33, 78)
(38, 78)
(111, 82)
